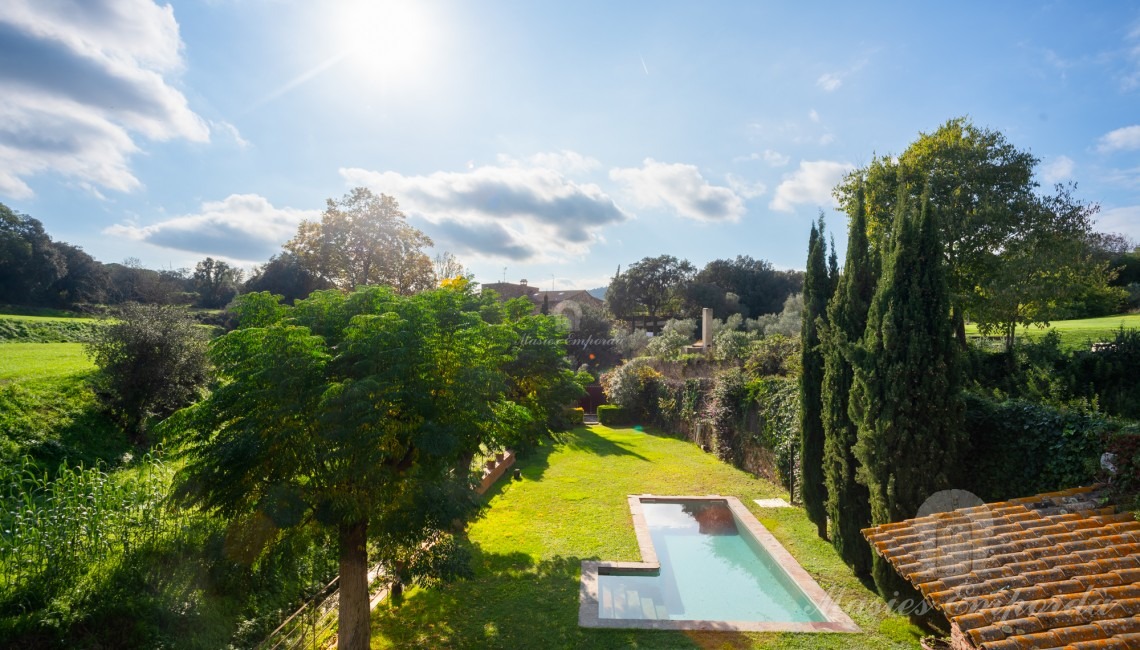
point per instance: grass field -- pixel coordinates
(47, 329)
(1076, 333)
(48, 409)
(571, 506)
(34, 361)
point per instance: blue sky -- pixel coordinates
(553, 141)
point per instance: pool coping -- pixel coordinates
(589, 616)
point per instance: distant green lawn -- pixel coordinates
(29, 361)
(571, 506)
(1076, 333)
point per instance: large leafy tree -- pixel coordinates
(758, 287)
(817, 291)
(905, 397)
(355, 411)
(650, 288)
(216, 282)
(1041, 269)
(981, 186)
(284, 275)
(847, 500)
(364, 239)
(29, 260)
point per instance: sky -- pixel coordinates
(538, 140)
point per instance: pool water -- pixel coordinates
(709, 572)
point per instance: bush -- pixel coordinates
(152, 361)
(613, 416)
(1018, 448)
(574, 417)
(634, 386)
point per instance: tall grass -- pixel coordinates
(53, 528)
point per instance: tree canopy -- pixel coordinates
(981, 187)
(650, 288)
(357, 412)
(364, 239)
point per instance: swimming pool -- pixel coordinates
(707, 564)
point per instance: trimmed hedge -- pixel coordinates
(613, 416)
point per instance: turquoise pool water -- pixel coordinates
(709, 572)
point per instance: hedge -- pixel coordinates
(612, 415)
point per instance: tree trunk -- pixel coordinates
(959, 327)
(353, 629)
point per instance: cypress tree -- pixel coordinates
(817, 291)
(848, 504)
(905, 397)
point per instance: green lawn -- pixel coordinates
(571, 506)
(48, 409)
(31, 361)
(1077, 333)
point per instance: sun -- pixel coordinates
(386, 41)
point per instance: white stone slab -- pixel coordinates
(772, 503)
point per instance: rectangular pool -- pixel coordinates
(707, 564)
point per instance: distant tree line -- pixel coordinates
(664, 287)
(362, 239)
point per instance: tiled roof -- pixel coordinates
(1049, 571)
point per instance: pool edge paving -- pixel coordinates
(588, 610)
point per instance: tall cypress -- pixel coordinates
(817, 291)
(848, 504)
(905, 398)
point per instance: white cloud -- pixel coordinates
(92, 76)
(232, 132)
(512, 211)
(829, 82)
(1123, 139)
(811, 183)
(1057, 170)
(682, 188)
(813, 116)
(772, 158)
(567, 162)
(744, 188)
(1124, 220)
(241, 227)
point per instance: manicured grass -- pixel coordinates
(31, 361)
(1077, 333)
(571, 506)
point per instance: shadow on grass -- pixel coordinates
(513, 602)
(533, 463)
(586, 439)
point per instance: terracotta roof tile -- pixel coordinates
(1048, 571)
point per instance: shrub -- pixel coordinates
(152, 361)
(774, 354)
(1124, 445)
(634, 386)
(575, 416)
(1018, 448)
(613, 416)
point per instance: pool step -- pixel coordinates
(629, 604)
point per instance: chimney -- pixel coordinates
(706, 330)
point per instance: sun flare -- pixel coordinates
(386, 41)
